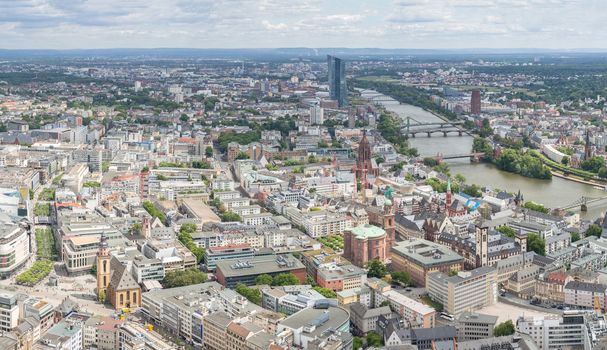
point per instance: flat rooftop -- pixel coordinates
(259, 265)
(200, 210)
(426, 253)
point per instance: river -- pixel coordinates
(552, 193)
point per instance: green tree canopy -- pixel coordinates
(180, 278)
(503, 329)
(536, 243)
(594, 230)
(252, 294)
(285, 279)
(376, 269)
(264, 279)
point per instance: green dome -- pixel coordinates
(368, 231)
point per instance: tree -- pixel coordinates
(184, 118)
(602, 173)
(536, 243)
(326, 292)
(137, 228)
(460, 178)
(507, 231)
(185, 237)
(452, 273)
(401, 277)
(472, 190)
(374, 340)
(180, 278)
(376, 269)
(357, 343)
(575, 237)
(309, 280)
(593, 164)
(208, 152)
(242, 155)
(536, 207)
(264, 279)
(503, 329)
(285, 279)
(594, 230)
(384, 303)
(565, 160)
(102, 296)
(229, 216)
(252, 294)
(188, 228)
(431, 162)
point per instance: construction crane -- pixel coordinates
(597, 304)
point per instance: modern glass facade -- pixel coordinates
(337, 80)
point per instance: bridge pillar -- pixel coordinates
(584, 207)
(429, 134)
(460, 133)
(413, 134)
(444, 134)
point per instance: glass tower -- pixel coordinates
(337, 80)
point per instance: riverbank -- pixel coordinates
(576, 179)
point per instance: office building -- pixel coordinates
(473, 326)
(15, 247)
(466, 291)
(338, 90)
(317, 115)
(568, 331)
(213, 255)
(415, 314)
(231, 272)
(419, 257)
(475, 102)
(9, 311)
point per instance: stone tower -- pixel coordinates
(482, 246)
(103, 265)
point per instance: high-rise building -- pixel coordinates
(337, 80)
(475, 102)
(316, 115)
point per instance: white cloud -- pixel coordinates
(314, 23)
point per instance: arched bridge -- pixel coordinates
(414, 127)
(474, 156)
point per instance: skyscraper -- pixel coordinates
(475, 102)
(337, 80)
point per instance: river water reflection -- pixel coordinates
(552, 193)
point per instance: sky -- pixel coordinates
(427, 24)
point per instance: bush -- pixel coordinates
(325, 292)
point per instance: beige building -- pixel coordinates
(215, 328)
(466, 291)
